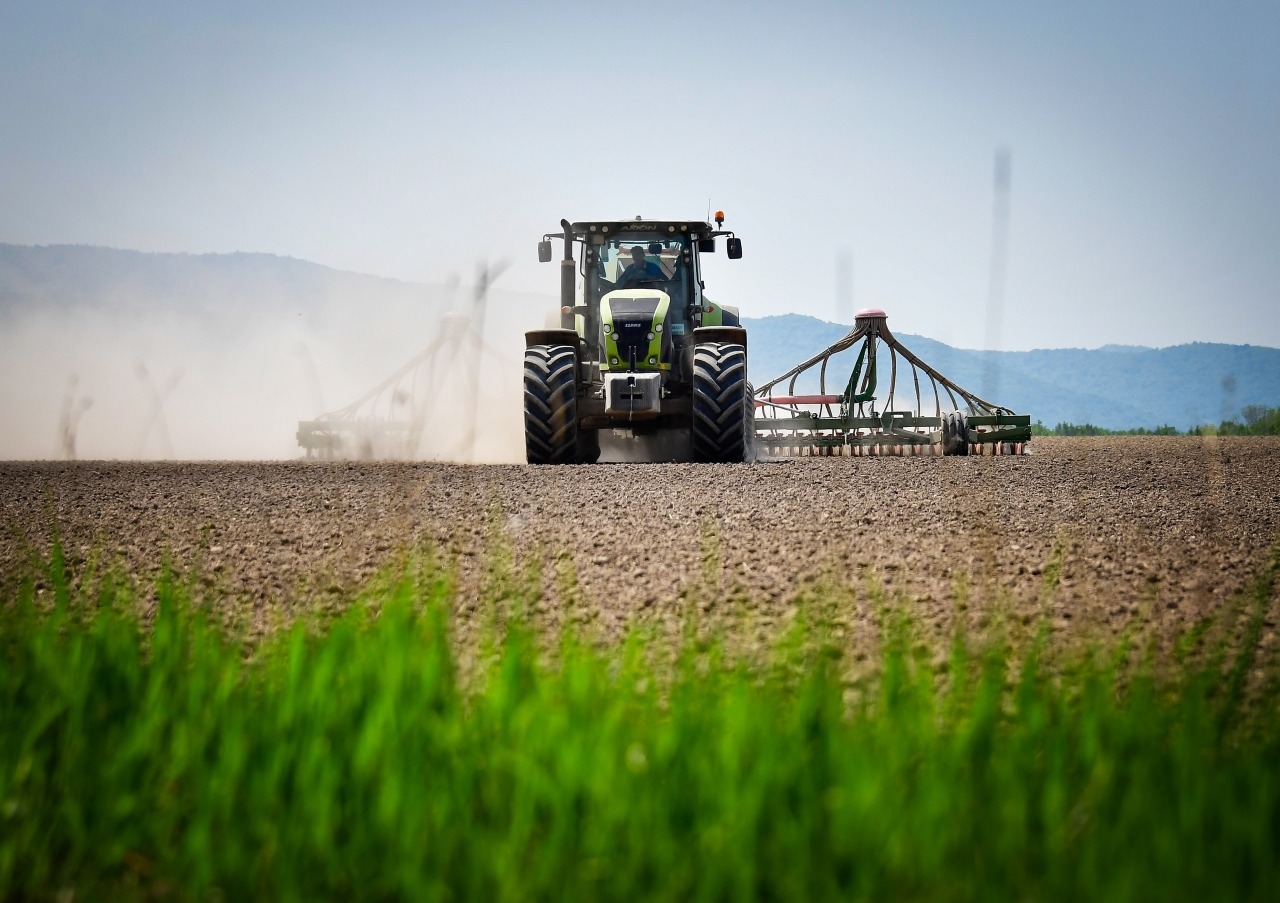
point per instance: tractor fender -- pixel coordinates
(551, 337)
(731, 335)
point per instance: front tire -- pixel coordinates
(722, 411)
(550, 405)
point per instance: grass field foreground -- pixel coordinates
(162, 757)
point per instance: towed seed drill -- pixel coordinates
(788, 423)
(640, 352)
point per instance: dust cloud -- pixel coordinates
(116, 380)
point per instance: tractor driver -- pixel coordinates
(639, 268)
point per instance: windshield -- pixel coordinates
(650, 260)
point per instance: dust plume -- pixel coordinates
(123, 371)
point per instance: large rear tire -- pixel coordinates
(721, 403)
(550, 405)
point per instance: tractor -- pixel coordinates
(640, 356)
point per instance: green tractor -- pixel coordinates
(641, 358)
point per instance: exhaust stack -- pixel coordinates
(567, 278)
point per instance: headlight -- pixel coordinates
(615, 337)
(649, 336)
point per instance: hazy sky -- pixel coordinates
(413, 140)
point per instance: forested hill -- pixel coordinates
(1117, 387)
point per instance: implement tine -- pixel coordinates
(915, 378)
(893, 377)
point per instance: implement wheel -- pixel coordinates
(722, 412)
(588, 446)
(955, 434)
(550, 405)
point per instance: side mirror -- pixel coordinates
(544, 251)
(734, 246)
(706, 245)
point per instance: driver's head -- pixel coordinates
(637, 254)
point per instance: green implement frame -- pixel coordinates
(956, 422)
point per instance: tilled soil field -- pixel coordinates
(1095, 532)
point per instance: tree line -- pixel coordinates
(1255, 420)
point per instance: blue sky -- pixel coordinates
(413, 141)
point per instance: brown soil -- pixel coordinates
(1164, 529)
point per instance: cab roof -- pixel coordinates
(622, 227)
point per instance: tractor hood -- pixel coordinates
(636, 326)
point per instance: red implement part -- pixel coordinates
(798, 399)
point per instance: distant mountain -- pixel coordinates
(1125, 348)
(221, 290)
(226, 293)
(1116, 387)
